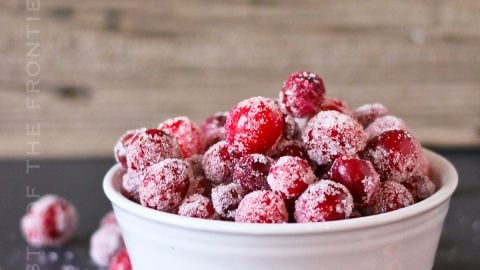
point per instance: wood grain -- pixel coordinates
(110, 66)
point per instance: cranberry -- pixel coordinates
(358, 176)
(50, 221)
(197, 206)
(104, 243)
(131, 181)
(391, 196)
(262, 206)
(120, 150)
(395, 154)
(226, 198)
(331, 134)
(290, 176)
(335, 104)
(121, 261)
(323, 201)
(218, 163)
(424, 165)
(420, 186)
(165, 184)
(195, 162)
(382, 124)
(108, 219)
(367, 113)
(289, 148)
(200, 185)
(149, 147)
(254, 125)
(291, 130)
(189, 137)
(251, 172)
(214, 128)
(302, 94)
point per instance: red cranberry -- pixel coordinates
(358, 176)
(254, 125)
(262, 206)
(289, 148)
(120, 150)
(200, 185)
(104, 243)
(302, 94)
(251, 172)
(382, 124)
(367, 113)
(131, 182)
(323, 201)
(291, 130)
(197, 206)
(331, 134)
(149, 147)
(335, 104)
(420, 186)
(391, 196)
(218, 163)
(395, 154)
(226, 198)
(189, 137)
(214, 128)
(290, 176)
(165, 184)
(50, 221)
(121, 261)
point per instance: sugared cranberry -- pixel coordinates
(226, 198)
(291, 131)
(131, 182)
(367, 113)
(214, 128)
(382, 124)
(391, 196)
(358, 176)
(251, 172)
(120, 150)
(165, 184)
(395, 154)
(302, 94)
(108, 219)
(218, 163)
(323, 201)
(200, 185)
(423, 165)
(262, 206)
(149, 147)
(290, 176)
(104, 243)
(254, 125)
(420, 186)
(335, 104)
(197, 206)
(331, 134)
(289, 148)
(190, 138)
(195, 162)
(50, 221)
(121, 261)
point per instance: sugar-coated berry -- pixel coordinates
(200, 185)
(262, 206)
(302, 93)
(292, 148)
(108, 219)
(218, 163)
(358, 176)
(150, 147)
(254, 125)
(131, 182)
(195, 162)
(197, 206)
(420, 186)
(190, 138)
(367, 113)
(335, 104)
(423, 165)
(165, 184)
(382, 124)
(391, 196)
(291, 131)
(104, 243)
(121, 261)
(251, 172)
(50, 221)
(213, 128)
(331, 134)
(120, 150)
(290, 176)
(323, 201)
(395, 154)
(226, 198)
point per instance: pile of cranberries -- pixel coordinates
(301, 158)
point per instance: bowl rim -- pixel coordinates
(448, 178)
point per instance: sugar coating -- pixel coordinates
(104, 243)
(391, 196)
(423, 165)
(367, 113)
(165, 184)
(131, 181)
(120, 149)
(290, 176)
(226, 198)
(218, 163)
(197, 206)
(121, 261)
(335, 104)
(322, 201)
(262, 206)
(251, 172)
(331, 134)
(213, 128)
(190, 138)
(420, 186)
(50, 221)
(288, 148)
(384, 123)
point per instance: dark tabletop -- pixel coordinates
(80, 182)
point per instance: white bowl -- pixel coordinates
(402, 239)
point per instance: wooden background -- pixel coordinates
(107, 66)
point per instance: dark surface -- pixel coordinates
(80, 182)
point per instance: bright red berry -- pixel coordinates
(189, 137)
(197, 206)
(391, 196)
(121, 261)
(251, 172)
(367, 113)
(290, 176)
(335, 104)
(382, 124)
(262, 206)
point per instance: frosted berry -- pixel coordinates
(121, 261)
(218, 163)
(382, 124)
(290, 176)
(262, 206)
(423, 165)
(251, 172)
(214, 128)
(131, 182)
(108, 219)
(50, 221)
(254, 125)
(190, 138)
(335, 104)
(226, 198)
(197, 206)
(292, 148)
(323, 201)
(104, 243)
(391, 196)
(331, 134)
(120, 150)
(165, 184)
(302, 93)
(420, 186)
(367, 113)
